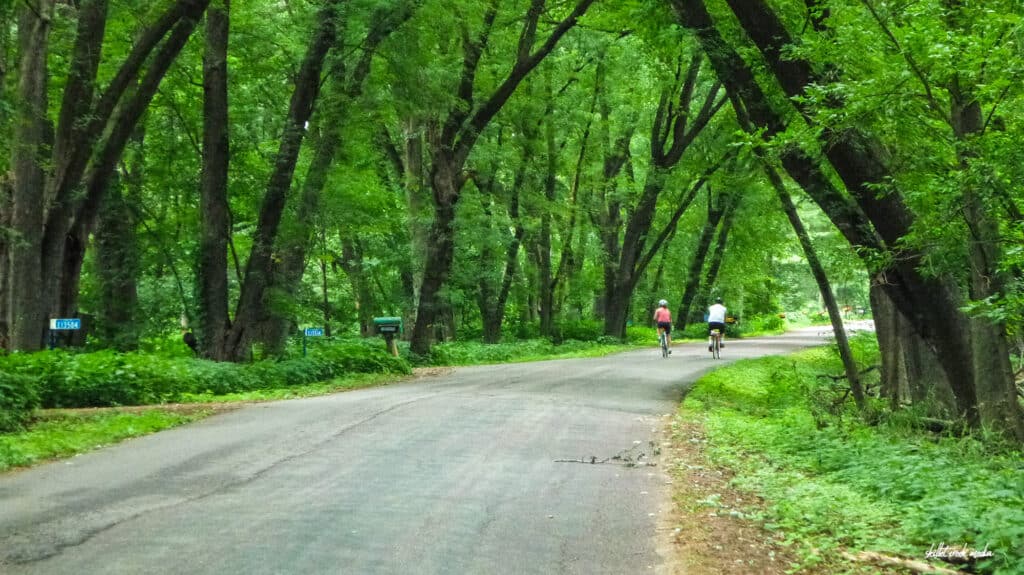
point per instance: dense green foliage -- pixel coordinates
(70, 434)
(108, 378)
(833, 483)
(472, 353)
(19, 396)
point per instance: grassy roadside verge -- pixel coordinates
(64, 433)
(832, 485)
(70, 434)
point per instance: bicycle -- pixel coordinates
(663, 340)
(716, 343)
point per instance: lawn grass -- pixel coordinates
(833, 484)
(70, 434)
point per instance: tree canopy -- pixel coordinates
(491, 169)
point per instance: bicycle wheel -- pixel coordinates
(718, 346)
(664, 345)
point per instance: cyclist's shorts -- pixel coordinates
(712, 325)
(665, 325)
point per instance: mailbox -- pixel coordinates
(388, 326)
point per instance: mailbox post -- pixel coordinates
(389, 327)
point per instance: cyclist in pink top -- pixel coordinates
(663, 317)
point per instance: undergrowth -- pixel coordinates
(833, 483)
(475, 353)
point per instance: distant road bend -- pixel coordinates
(472, 472)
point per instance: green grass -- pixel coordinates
(345, 383)
(71, 434)
(832, 483)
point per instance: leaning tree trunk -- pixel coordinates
(824, 287)
(251, 311)
(459, 135)
(859, 159)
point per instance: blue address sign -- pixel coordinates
(314, 332)
(66, 324)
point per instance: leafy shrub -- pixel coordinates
(640, 335)
(581, 330)
(108, 378)
(474, 353)
(763, 324)
(18, 397)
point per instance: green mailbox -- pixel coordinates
(389, 327)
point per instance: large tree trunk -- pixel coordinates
(251, 312)
(997, 392)
(911, 373)
(418, 205)
(212, 272)
(439, 256)
(294, 244)
(29, 156)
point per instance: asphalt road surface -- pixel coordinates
(452, 474)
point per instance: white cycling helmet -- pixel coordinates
(663, 302)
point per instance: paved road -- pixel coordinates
(453, 474)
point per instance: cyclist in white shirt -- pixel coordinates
(716, 320)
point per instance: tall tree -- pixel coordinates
(344, 87)
(250, 312)
(681, 116)
(58, 189)
(212, 272)
(461, 129)
(868, 219)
